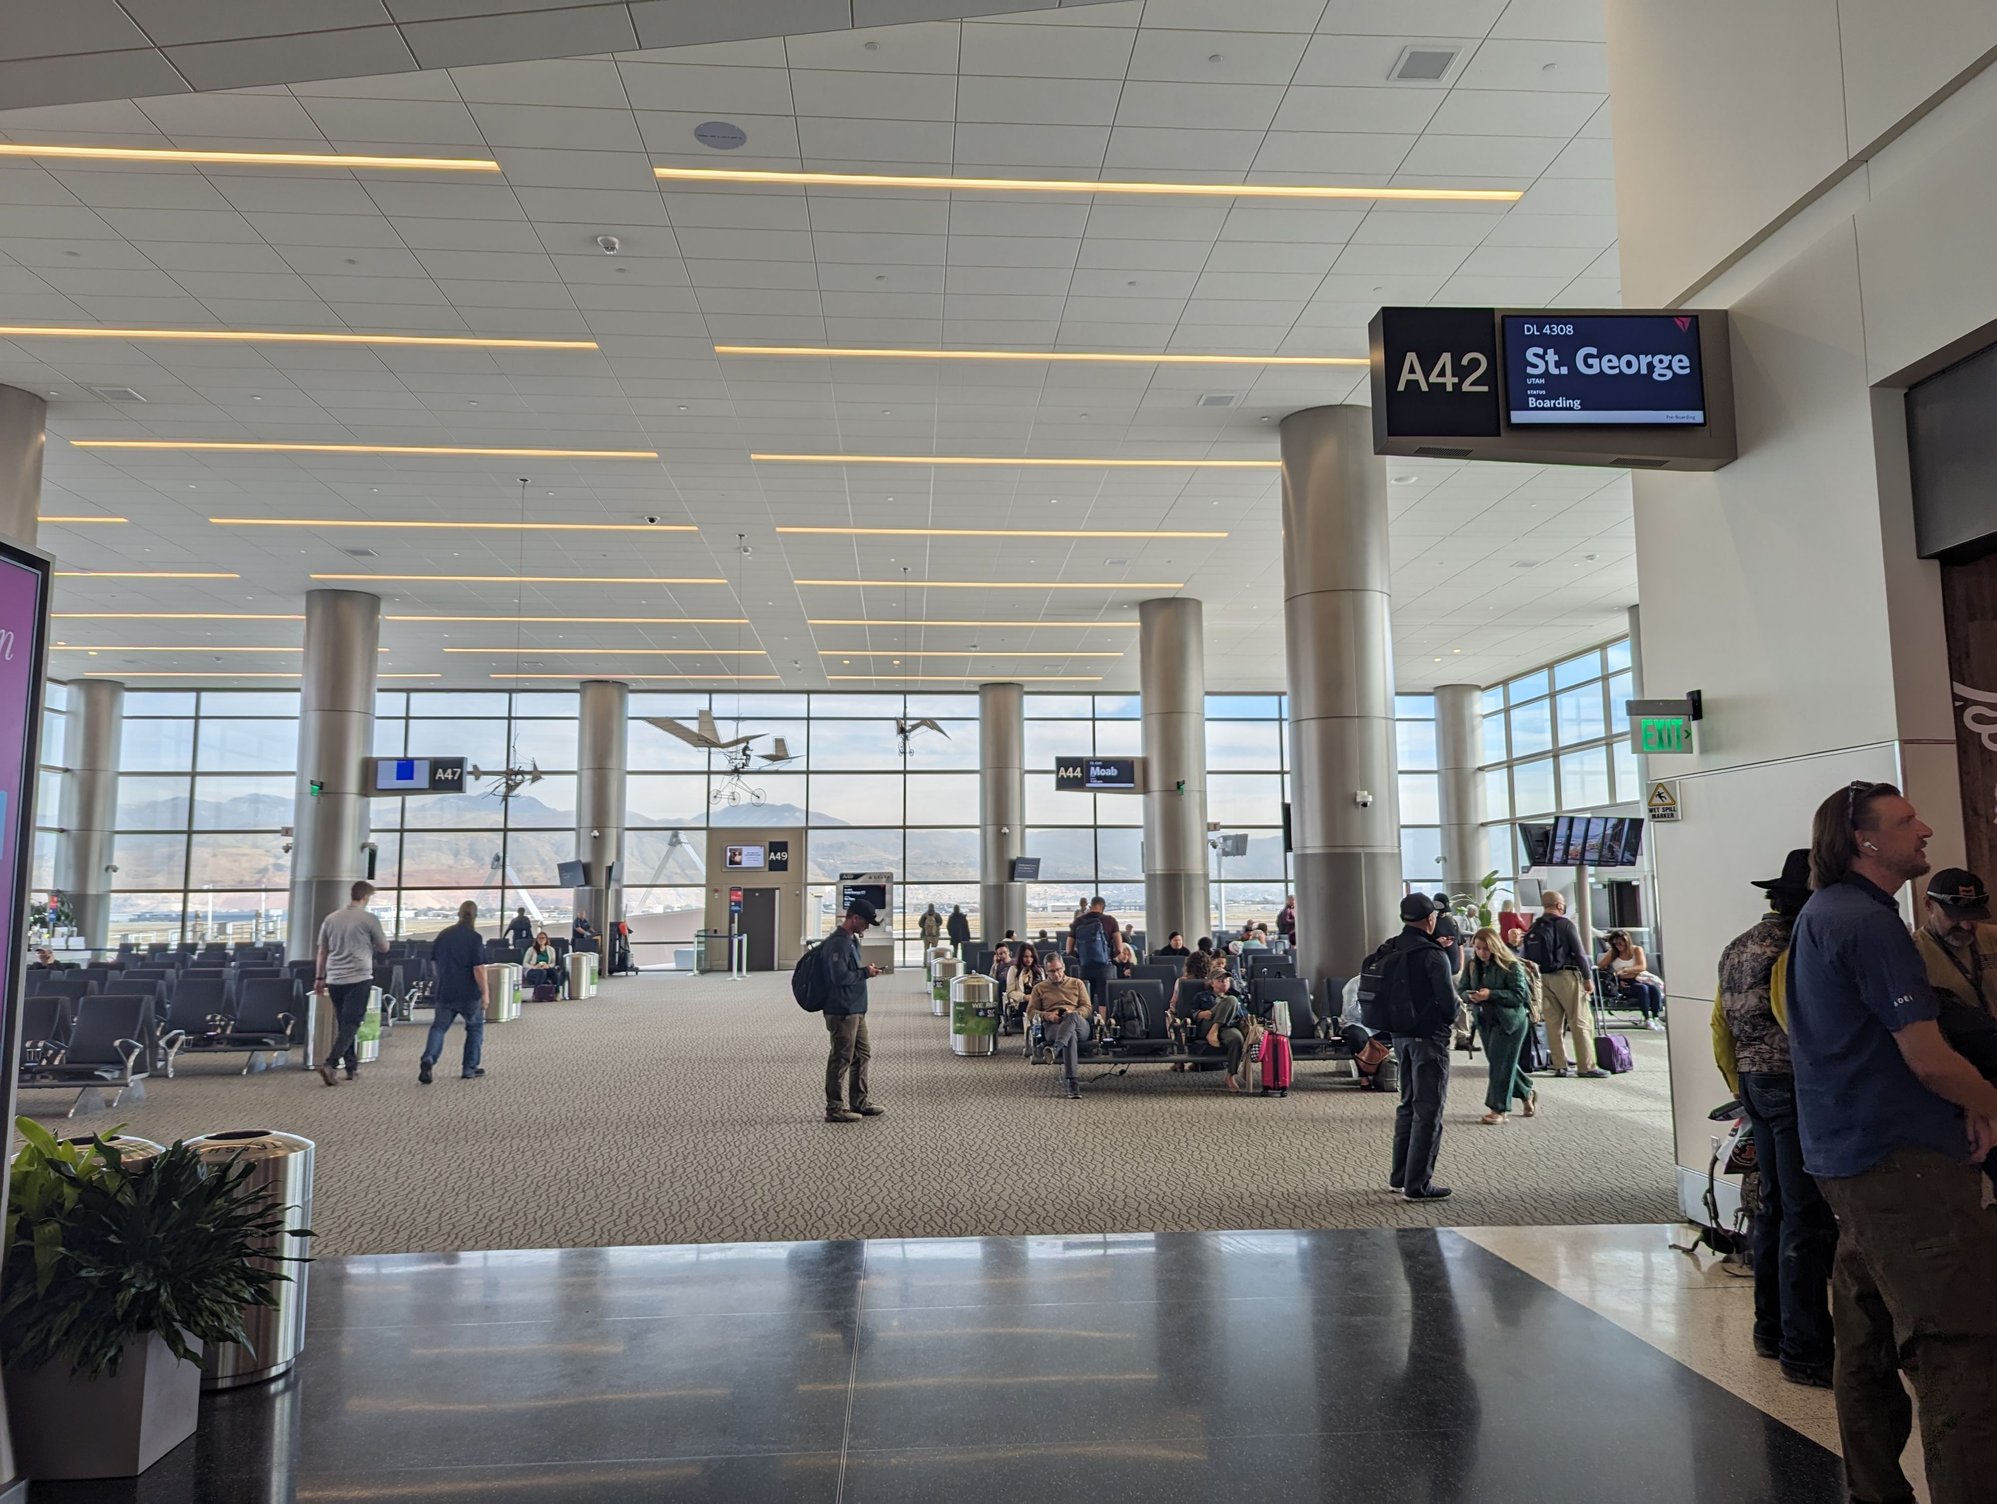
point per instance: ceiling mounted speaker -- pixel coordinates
(1424, 65)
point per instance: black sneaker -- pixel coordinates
(423, 1071)
(1430, 1192)
(840, 1115)
(353, 1073)
(473, 1074)
(1074, 1092)
(1809, 1377)
(1763, 1348)
(870, 1111)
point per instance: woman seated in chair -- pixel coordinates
(1001, 963)
(541, 966)
(1125, 960)
(1021, 977)
(1218, 1025)
(1624, 959)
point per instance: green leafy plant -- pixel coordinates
(1476, 906)
(101, 1250)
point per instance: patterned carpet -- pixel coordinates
(689, 1110)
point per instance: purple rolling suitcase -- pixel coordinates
(1612, 1053)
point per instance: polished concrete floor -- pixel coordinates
(1276, 1366)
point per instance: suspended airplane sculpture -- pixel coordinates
(905, 729)
(779, 754)
(703, 733)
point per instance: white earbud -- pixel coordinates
(1870, 847)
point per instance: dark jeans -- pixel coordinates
(1418, 1120)
(1649, 997)
(473, 1013)
(1795, 1235)
(1065, 1036)
(1505, 1031)
(1911, 1289)
(1099, 979)
(846, 1063)
(350, 1006)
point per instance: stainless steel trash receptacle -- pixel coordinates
(946, 970)
(281, 1163)
(582, 974)
(502, 992)
(974, 1016)
(326, 1024)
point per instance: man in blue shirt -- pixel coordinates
(842, 978)
(459, 959)
(1890, 1119)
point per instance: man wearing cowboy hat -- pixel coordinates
(1948, 938)
(1795, 1235)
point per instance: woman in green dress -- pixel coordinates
(1494, 983)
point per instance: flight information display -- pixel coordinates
(1628, 370)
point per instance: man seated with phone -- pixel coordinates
(1059, 1007)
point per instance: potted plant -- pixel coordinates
(1476, 906)
(114, 1272)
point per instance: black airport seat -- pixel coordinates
(45, 1025)
(269, 1017)
(106, 1048)
(1156, 1038)
(1265, 965)
(198, 1013)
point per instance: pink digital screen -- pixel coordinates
(22, 586)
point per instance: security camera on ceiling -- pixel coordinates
(610, 245)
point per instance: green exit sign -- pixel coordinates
(1656, 734)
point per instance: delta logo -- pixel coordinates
(1684, 324)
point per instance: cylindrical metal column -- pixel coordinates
(1345, 822)
(600, 762)
(335, 736)
(1001, 809)
(1172, 685)
(23, 423)
(1458, 728)
(83, 860)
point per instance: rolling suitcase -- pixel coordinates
(1536, 1055)
(1277, 1063)
(1612, 1053)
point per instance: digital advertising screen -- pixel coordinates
(1614, 370)
(743, 858)
(24, 581)
(402, 775)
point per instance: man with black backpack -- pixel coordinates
(1567, 985)
(1096, 938)
(1416, 985)
(832, 979)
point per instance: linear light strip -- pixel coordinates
(526, 579)
(1092, 357)
(898, 654)
(193, 647)
(286, 337)
(246, 158)
(143, 574)
(676, 678)
(216, 446)
(992, 532)
(534, 652)
(643, 621)
(1073, 185)
(1009, 461)
(170, 616)
(890, 621)
(962, 678)
(216, 673)
(80, 521)
(474, 527)
(948, 584)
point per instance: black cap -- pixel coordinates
(1415, 908)
(865, 910)
(1961, 893)
(1795, 876)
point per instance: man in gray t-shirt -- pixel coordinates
(348, 944)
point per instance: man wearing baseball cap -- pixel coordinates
(1421, 1010)
(843, 977)
(1948, 939)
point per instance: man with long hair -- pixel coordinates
(1891, 1118)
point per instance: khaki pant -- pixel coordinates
(846, 1060)
(1569, 1011)
(1911, 1289)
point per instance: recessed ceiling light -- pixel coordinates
(525, 579)
(171, 616)
(1100, 357)
(280, 337)
(247, 158)
(218, 446)
(985, 532)
(1404, 480)
(1008, 462)
(1073, 185)
(953, 584)
(489, 527)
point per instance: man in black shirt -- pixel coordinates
(1422, 1012)
(459, 958)
(1448, 934)
(521, 931)
(842, 980)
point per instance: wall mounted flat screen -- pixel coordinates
(573, 874)
(1025, 869)
(1537, 839)
(874, 893)
(402, 775)
(1097, 774)
(1637, 370)
(742, 858)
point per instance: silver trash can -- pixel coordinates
(502, 992)
(945, 971)
(326, 1025)
(281, 1164)
(582, 974)
(974, 1016)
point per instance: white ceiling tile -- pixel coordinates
(587, 83)
(1238, 107)
(999, 217)
(1151, 148)
(445, 200)
(1514, 112)
(1595, 231)
(707, 89)
(921, 47)
(1564, 20)
(1481, 156)
(324, 229)
(589, 206)
(528, 167)
(1500, 292)
(1584, 158)
(434, 122)
(563, 126)
(1526, 261)
(434, 85)
(1386, 110)
(1053, 101)
(1412, 19)
(1306, 224)
(669, 136)
(878, 96)
(139, 73)
(1569, 196)
(1226, 15)
(925, 142)
(1272, 256)
(168, 224)
(1028, 148)
(328, 54)
(1577, 67)
(1010, 51)
(1368, 61)
(231, 116)
(503, 38)
(73, 27)
(1333, 154)
(1233, 56)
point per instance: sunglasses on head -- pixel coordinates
(1856, 790)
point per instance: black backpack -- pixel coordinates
(1130, 1019)
(1544, 945)
(804, 982)
(1386, 1002)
